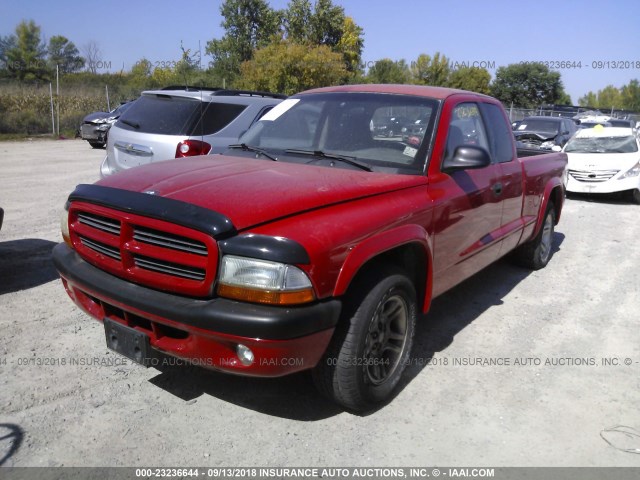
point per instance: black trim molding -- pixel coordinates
(265, 247)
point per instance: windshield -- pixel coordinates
(539, 125)
(626, 144)
(316, 128)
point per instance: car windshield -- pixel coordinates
(625, 144)
(317, 128)
(539, 125)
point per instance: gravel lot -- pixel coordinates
(60, 406)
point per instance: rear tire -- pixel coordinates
(372, 343)
(537, 253)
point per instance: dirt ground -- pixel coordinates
(511, 368)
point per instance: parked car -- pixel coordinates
(174, 123)
(619, 122)
(544, 132)
(590, 124)
(311, 244)
(388, 126)
(95, 126)
(604, 160)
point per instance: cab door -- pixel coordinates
(468, 203)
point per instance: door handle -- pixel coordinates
(497, 188)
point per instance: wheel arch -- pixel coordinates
(408, 247)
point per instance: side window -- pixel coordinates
(500, 135)
(216, 117)
(465, 128)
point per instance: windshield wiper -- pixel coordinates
(131, 124)
(329, 156)
(249, 148)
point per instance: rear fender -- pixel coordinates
(553, 192)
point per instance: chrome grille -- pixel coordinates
(98, 222)
(168, 240)
(99, 247)
(169, 268)
(593, 176)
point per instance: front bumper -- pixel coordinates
(205, 332)
(609, 186)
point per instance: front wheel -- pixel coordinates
(97, 144)
(537, 253)
(635, 196)
(372, 343)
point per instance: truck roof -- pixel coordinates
(439, 93)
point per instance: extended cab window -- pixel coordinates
(500, 134)
(465, 128)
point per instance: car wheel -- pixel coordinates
(635, 196)
(370, 347)
(537, 253)
(96, 145)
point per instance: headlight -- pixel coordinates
(262, 281)
(64, 225)
(632, 172)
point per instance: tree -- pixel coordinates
(248, 25)
(351, 45)
(474, 79)
(388, 71)
(589, 100)
(64, 53)
(631, 96)
(527, 85)
(288, 67)
(609, 98)
(92, 55)
(25, 53)
(431, 71)
(297, 21)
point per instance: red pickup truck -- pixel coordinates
(313, 243)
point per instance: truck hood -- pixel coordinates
(250, 192)
(527, 135)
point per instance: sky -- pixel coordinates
(595, 40)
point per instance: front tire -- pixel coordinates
(372, 343)
(97, 144)
(635, 196)
(537, 253)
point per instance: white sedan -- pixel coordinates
(604, 160)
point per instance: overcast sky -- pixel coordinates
(492, 33)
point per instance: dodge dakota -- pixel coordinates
(314, 242)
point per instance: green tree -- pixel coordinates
(25, 53)
(388, 71)
(248, 25)
(631, 96)
(588, 100)
(431, 71)
(297, 21)
(351, 45)
(474, 79)
(64, 53)
(288, 67)
(609, 97)
(527, 85)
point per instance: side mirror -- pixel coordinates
(467, 157)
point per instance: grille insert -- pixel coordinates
(99, 222)
(168, 240)
(100, 247)
(169, 268)
(593, 176)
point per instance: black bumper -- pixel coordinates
(216, 315)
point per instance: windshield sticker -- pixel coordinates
(279, 109)
(410, 151)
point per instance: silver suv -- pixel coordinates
(182, 122)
